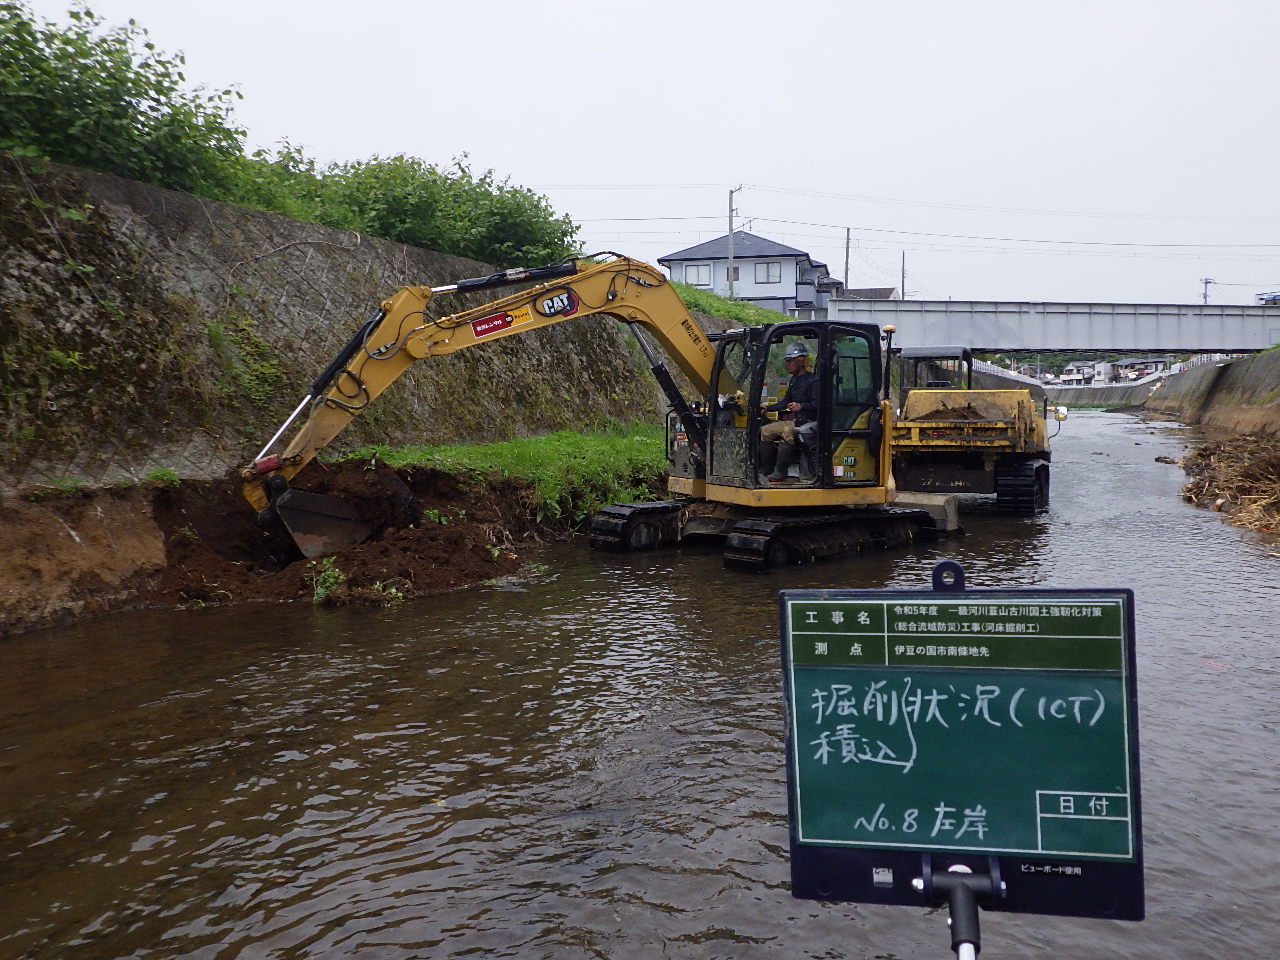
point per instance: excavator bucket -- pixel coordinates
(320, 525)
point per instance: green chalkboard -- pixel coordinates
(933, 722)
(985, 722)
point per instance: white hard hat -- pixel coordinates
(796, 350)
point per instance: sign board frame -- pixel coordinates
(992, 731)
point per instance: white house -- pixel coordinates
(1077, 373)
(765, 272)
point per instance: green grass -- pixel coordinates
(572, 474)
(748, 314)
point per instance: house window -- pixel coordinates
(698, 274)
(769, 272)
(735, 278)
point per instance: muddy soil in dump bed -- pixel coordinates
(89, 553)
(950, 413)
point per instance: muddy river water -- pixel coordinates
(589, 763)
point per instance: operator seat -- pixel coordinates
(806, 447)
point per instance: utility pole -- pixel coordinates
(903, 289)
(846, 259)
(1206, 281)
(730, 270)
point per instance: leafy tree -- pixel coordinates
(407, 199)
(92, 100)
(105, 99)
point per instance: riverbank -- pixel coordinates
(444, 519)
(1237, 470)
(1239, 477)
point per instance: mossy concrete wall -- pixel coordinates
(144, 330)
(1120, 395)
(1240, 396)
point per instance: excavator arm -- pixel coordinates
(400, 333)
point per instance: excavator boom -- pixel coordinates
(401, 333)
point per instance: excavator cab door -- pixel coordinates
(731, 418)
(853, 376)
(841, 447)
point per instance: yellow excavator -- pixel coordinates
(831, 492)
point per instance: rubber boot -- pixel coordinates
(806, 466)
(768, 456)
(786, 453)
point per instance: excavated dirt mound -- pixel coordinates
(196, 543)
(951, 413)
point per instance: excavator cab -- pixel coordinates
(838, 450)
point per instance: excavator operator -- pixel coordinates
(800, 403)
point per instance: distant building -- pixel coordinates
(765, 272)
(1135, 368)
(873, 293)
(1077, 373)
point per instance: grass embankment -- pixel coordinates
(1240, 477)
(572, 474)
(739, 311)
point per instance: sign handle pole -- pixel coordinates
(963, 890)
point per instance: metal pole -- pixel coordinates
(846, 258)
(729, 272)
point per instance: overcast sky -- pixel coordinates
(1122, 150)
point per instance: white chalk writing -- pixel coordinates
(875, 722)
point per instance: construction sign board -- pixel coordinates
(995, 730)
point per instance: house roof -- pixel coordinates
(745, 246)
(872, 293)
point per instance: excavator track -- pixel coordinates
(1022, 487)
(763, 543)
(636, 526)
(759, 541)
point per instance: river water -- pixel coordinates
(589, 763)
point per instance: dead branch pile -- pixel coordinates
(1240, 477)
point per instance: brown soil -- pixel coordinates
(73, 555)
(951, 413)
(1239, 477)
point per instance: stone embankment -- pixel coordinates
(1240, 396)
(1237, 396)
(1120, 395)
(144, 330)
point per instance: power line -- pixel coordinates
(952, 236)
(1072, 243)
(942, 204)
(898, 201)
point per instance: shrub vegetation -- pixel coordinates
(106, 99)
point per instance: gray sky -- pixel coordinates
(1013, 150)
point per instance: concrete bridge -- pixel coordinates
(998, 326)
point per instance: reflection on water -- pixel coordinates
(589, 764)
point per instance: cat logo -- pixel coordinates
(558, 303)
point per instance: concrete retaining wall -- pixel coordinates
(1241, 396)
(145, 330)
(1120, 395)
